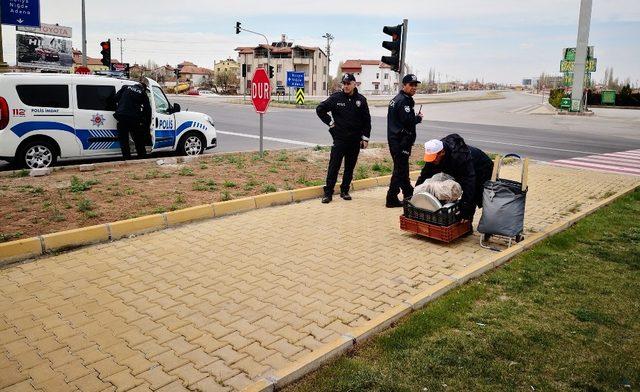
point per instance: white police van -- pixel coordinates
(44, 117)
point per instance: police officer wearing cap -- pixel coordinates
(350, 129)
(401, 134)
(468, 165)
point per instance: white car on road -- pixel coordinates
(44, 117)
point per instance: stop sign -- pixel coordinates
(260, 90)
(83, 71)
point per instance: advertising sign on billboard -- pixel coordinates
(44, 52)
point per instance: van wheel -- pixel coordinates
(37, 154)
(191, 144)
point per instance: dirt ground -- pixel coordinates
(69, 199)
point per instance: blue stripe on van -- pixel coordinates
(29, 126)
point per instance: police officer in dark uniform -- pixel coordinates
(401, 134)
(133, 112)
(350, 129)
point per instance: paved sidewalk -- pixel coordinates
(214, 305)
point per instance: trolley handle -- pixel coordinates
(523, 174)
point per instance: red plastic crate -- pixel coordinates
(441, 233)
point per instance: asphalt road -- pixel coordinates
(539, 137)
(499, 126)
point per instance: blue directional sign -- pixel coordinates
(20, 12)
(295, 79)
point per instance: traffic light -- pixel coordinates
(395, 46)
(237, 27)
(244, 70)
(271, 72)
(106, 53)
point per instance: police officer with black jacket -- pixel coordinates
(133, 112)
(468, 165)
(350, 129)
(401, 134)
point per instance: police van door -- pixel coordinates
(96, 128)
(163, 128)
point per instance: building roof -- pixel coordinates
(186, 63)
(193, 70)
(357, 64)
(275, 49)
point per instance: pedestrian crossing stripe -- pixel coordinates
(623, 162)
(300, 96)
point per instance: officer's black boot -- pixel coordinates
(327, 199)
(393, 202)
(345, 195)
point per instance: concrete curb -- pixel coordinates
(15, 251)
(330, 351)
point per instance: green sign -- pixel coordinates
(565, 103)
(569, 54)
(567, 79)
(608, 97)
(567, 66)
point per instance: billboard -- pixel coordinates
(44, 52)
(48, 29)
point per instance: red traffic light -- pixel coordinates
(105, 45)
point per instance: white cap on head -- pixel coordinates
(431, 149)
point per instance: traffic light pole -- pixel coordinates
(84, 36)
(268, 76)
(405, 24)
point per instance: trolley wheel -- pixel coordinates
(485, 237)
(519, 238)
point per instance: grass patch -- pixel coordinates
(307, 182)
(381, 169)
(362, 172)
(205, 185)
(151, 174)
(186, 171)
(229, 184)
(4, 237)
(225, 196)
(20, 173)
(269, 188)
(78, 185)
(562, 316)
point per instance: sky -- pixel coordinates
(492, 40)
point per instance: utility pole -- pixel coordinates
(84, 36)
(329, 38)
(121, 41)
(3, 65)
(584, 25)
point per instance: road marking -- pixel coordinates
(525, 109)
(529, 146)
(271, 139)
(627, 162)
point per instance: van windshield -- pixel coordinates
(161, 102)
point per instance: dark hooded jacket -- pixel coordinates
(469, 166)
(350, 115)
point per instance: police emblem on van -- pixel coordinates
(97, 120)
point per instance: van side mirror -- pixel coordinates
(175, 108)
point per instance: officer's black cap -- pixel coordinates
(410, 78)
(348, 78)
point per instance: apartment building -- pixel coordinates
(285, 57)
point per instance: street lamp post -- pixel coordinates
(329, 38)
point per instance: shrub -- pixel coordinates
(77, 185)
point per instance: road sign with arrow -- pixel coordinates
(20, 12)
